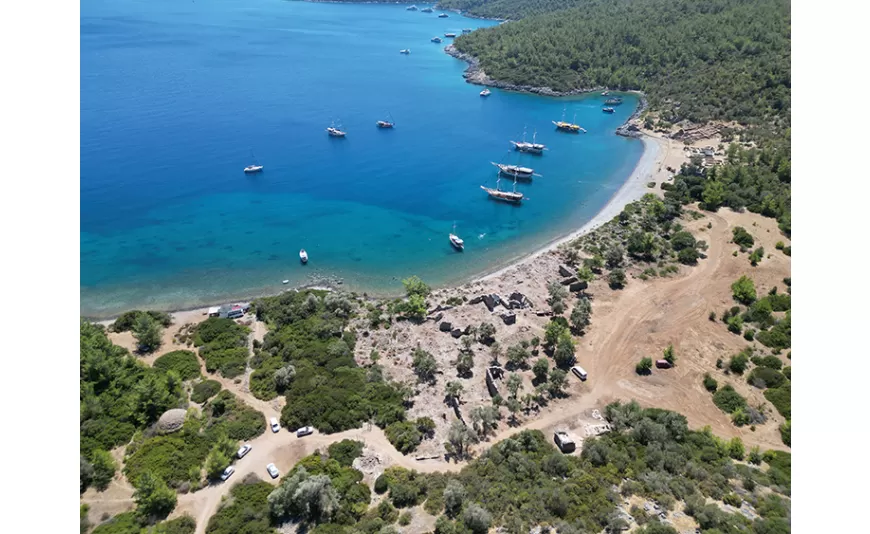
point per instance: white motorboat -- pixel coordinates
(250, 169)
(455, 240)
(405, 51)
(485, 92)
(303, 256)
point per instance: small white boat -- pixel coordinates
(455, 240)
(334, 131)
(443, 16)
(436, 39)
(608, 110)
(285, 282)
(254, 167)
(411, 8)
(450, 35)
(605, 93)
(485, 92)
(426, 10)
(405, 51)
(303, 256)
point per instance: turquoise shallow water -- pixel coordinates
(176, 95)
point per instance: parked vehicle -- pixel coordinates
(273, 422)
(663, 364)
(304, 431)
(245, 449)
(273, 471)
(228, 472)
(564, 442)
(580, 372)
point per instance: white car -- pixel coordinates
(273, 422)
(244, 450)
(273, 471)
(228, 472)
(304, 431)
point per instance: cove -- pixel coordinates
(175, 97)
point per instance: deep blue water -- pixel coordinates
(175, 96)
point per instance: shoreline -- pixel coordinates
(634, 187)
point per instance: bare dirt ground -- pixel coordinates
(640, 320)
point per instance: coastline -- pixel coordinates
(632, 189)
(647, 169)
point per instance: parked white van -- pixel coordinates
(273, 422)
(580, 372)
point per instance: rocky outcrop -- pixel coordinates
(492, 300)
(578, 286)
(568, 281)
(456, 332)
(509, 318)
(171, 421)
(564, 270)
(445, 326)
(517, 300)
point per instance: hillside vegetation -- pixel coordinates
(701, 61)
(507, 9)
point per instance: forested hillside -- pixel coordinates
(696, 60)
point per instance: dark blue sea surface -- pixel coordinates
(177, 97)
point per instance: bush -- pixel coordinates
(247, 510)
(424, 365)
(743, 290)
(104, 469)
(126, 320)
(738, 363)
(728, 400)
(404, 436)
(710, 383)
(688, 256)
(644, 366)
(779, 245)
(381, 485)
(564, 353)
(345, 451)
(785, 432)
(742, 237)
(778, 337)
(683, 240)
(616, 279)
(765, 377)
(780, 398)
(756, 256)
(205, 390)
(405, 519)
(183, 362)
(749, 334)
(223, 345)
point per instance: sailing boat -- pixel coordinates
(505, 196)
(568, 126)
(515, 171)
(387, 124)
(335, 132)
(254, 168)
(455, 240)
(530, 148)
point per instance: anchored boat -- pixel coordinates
(529, 148)
(455, 240)
(334, 131)
(568, 126)
(450, 35)
(514, 197)
(405, 51)
(515, 171)
(255, 167)
(615, 101)
(303, 256)
(608, 110)
(443, 16)
(411, 8)
(436, 39)
(388, 123)
(485, 92)
(426, 10)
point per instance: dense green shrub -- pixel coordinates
(780, 397)
(205, 390)
(222, 345)
(785, 432)
(616, 279)
(688, 256)
(246, 512)
(742, 237)
(779, 336)
(728, 400)
(345, 451)
(739, 362)
(710, 383)
(117, 393)
(183, 362)
(644, 366)
(127, 320)
(328, 391)
(766, 377)
(744, 290)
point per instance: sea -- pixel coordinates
(178, 96)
